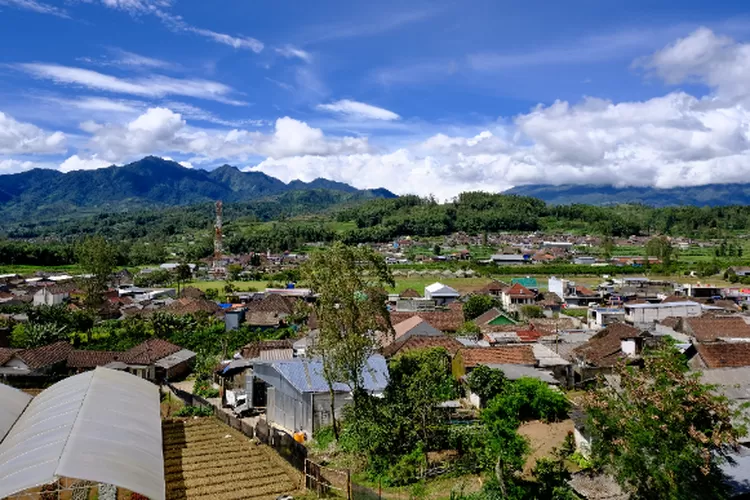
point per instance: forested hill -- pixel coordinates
(149, 183)
(710, 195)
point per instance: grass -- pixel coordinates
(241, 286)
(24, 270)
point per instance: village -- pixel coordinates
(565, 335)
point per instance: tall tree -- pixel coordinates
(182, 273)
(661, 248)
(97, 257)
(663, 433)
(351, 308)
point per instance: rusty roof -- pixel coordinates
(91, 359)
(506, 354)
(604, 348)
(273, 303)
(47, 355)
(710, 328)
(254, 349)
(149, 352)
(418, 342)
(189, 305)
(6, 353)
(448, 320)
(724, 354)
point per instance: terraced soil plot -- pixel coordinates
(204, 458)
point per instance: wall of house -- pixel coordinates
(557, 286)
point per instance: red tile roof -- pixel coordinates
(708, 329)
(585, 292)
(502, 355)
(724, 354)
(449, 320)
(253, 349)
(530, 334)
(47, 355)
(92, 359)
(149, 352)
(604, 348)
(188, 305)
(409, 293)
(412, 343)
(518, 291)
(6, 353)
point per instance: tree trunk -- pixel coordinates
(500, 475)
(333, 412)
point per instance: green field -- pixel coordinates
(25, 270)
(240, 286)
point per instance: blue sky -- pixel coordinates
(427, 97)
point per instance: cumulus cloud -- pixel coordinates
(24, 138)
(358, 110)
(151, 86)
(11, 166)
(76, 162)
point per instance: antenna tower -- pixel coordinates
(218, 232)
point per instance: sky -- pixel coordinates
(427, 97)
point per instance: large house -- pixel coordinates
(441, 294)
(516, 297)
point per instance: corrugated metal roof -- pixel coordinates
(306, 375)
(13, 404)
(101, 426)
(514, 372)
(175, 359)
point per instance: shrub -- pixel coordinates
(408, 469)
(194, 411)
(204, 389)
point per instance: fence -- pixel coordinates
(325, 481)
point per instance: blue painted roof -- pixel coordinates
(306, 375)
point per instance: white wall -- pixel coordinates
(557, 286)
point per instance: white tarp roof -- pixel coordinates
(102, 426)
(12, 404)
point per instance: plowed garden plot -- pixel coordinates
(204, 458)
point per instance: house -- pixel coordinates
(468, 358)
(645, 315)
(570, 293)
(414, 326)
(298, 395)
(600, 317)
(605, 349)
(741, 271)
(155, 360)
(45, 361)
(712, 328)
(441, 294)
(450, 319)
(512, 259)
(450, 344)
(191, 305)
(703, 291)
(494, 288)
(50, 296)
(517, 296)
(269, 312)
(721, 355)
(268, 350)
(528, 282)
(494, 317)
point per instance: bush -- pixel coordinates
(194, 411)
(408, 469)
(531, 399)
(531, 312)
(204, 389)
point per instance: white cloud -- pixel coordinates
(10, 166)
(290, 52)
(76, 162)
(195, 113)
(176, 23)
(17, 138)
(151, 86)
(102, 104)
(358, 110)
(35, 6)
(125, 59)
(134, 6)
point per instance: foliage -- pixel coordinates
(351, 306)
(531, 399)
(27, 336)
(204, 366)
(663, 433)
(477, 305)
(469, 328)
(486, 383)
(531, 312)
(98, 258)
(204, 389)
(194, 411)
(661, 248)
(157, 277)
(552, 478)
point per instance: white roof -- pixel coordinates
(662, 305)
(438, 288)
(102, 426)
(13, 404)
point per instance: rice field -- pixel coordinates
(204, 458)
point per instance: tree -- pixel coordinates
(436, 249)
(608, 246)
(182, 273)
(477, 305)
(486, 383)
(97, 258)
(234, 270)
(531, 312)
(661, 248)
(350, 308)
(662, 432)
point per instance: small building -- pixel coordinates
(468, 358)
(721, 355)
(441, 294)
(584, 260)
(605, 349)
(412, 327)
(511, 259)
(645, 315)
(50, 296)
(297, 393)
(601, 317)
(570, 293)
(528, 282)
(516, 297)
(494, 317)
(703, 291)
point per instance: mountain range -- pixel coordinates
(707, 195)
(149, 183)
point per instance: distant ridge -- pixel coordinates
(709, 195)
(148, 183)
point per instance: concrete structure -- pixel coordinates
(584, 260)
(441, 294)
(570, 293)
(702, 291)
(49, 297)
(600, 317)
(510, 259)
(644, 315)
